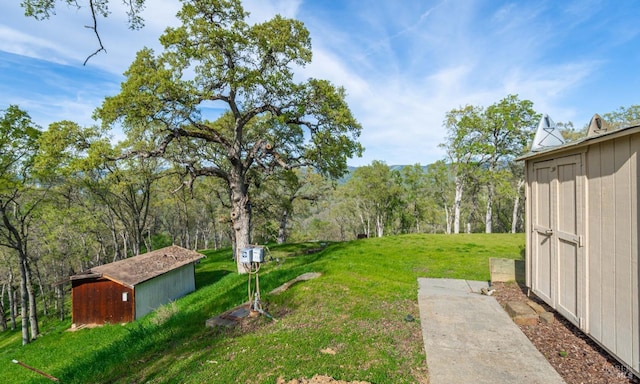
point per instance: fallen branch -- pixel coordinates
(48, 376)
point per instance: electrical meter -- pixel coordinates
(245, 255)
(252, 255)
(257, 255)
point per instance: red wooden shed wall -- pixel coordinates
(99, 301)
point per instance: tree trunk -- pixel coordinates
(240, 216)
(148, 243)
(379, 226)
(114, 238)
(488, 219)
(282, 229)
(125, 244)
(60, 298)
(33, 309)
(516, 207)
(24, 301)
(241, 225)
(3, 317)
(447, 219)
(13, 302)
(457, 202)
(43, 292)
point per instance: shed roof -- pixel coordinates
(583, 142)
(137, 269)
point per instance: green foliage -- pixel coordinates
(357, 308)
(570, 133)
(43, 9)
(249, 70)
(481, 143)
(270, 121)
(375, 190)
(623, 117)
(18, 147)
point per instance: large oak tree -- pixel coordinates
(270, 122)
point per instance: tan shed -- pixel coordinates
(582, 236)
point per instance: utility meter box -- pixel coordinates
(252, 255)
(245, 255)
(257, 255)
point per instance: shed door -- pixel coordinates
(558, 265)
(541, 215)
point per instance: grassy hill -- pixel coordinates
(349, 324)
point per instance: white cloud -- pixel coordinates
(404, 67)
(14, 41)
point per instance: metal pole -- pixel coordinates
(35, 370)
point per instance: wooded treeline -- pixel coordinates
(66, 208)
(265, 170)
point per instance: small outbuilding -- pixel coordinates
(582, 245)
(128, 289)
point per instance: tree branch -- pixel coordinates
(95, 30)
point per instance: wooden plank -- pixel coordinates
(567, 237)
(567, 195)
(607, 250)
(568, 283)
(623, 299)
(594, 242)
(635, 288)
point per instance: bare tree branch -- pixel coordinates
(95, 30)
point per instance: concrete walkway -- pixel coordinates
(469, 338)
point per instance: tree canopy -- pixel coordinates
(270, 121)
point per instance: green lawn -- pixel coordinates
(349, 323)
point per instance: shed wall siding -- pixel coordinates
(100, 301)
(613, 317)
(163, 289)
(602, 266)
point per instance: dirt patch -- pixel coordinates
(576, 357)
(77, 327)
(318, 379)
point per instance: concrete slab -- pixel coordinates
(521, 313)
(469, 338)
(230, 318)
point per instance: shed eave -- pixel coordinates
(83, 276)
(582, 142)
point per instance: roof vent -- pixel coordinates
(597, 126)
(547, 135)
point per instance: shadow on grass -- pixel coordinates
(140, 353)
(147, 340)
(205, 278)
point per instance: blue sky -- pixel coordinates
(403, 63)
